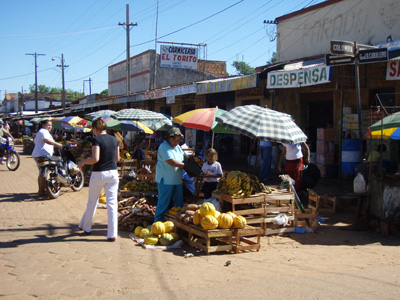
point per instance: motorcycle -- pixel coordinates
(60, 171)
(11, 156)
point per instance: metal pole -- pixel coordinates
(155, 52)
(36, 91)
(63, 83)
(128, 67)
(357, 77)
(90, 86)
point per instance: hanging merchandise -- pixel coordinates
(359, 184)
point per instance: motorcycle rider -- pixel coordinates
(44, 146)
(4, 133)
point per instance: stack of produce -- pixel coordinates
(158, 233)
(208, 217)
(137, 185)
(240, 184)
(133, 212)
(125, 154)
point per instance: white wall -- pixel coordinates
(364, 21)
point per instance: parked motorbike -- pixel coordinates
(11, 156)
(60, 171)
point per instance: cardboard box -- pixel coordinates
(351, 118)
(325, 158)
(322, 147)
(325, 134)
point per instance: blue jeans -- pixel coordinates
(166, 193)
(266, 154)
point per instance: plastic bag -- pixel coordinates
(281, 219)
(215, 202)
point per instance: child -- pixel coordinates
(212, 171)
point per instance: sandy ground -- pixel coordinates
(43, 256)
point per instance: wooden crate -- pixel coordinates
(243, 239)
(150, 177)
(209, 241)
(308, 218)
(248, 207)
(270, 228)
(322, 204)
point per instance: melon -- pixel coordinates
(151, 240)
(158, 228)
(197, 217)
(232, 214)
(137, 230)
(225, 221)
(169, 226)
(217, 214)
(209, 222)
(207, 208)
(240, 222)
(144, 232)
(175, 236)
(166, 239)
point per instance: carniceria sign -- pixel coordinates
(178, 57)
(299, 78)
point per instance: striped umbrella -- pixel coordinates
(126, 125)
(137, 114)
(388, 127)
(263, 123)
(100, 113)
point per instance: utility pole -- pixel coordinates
(36, 91)
(127, 26)
(90, 86)
(62, 66)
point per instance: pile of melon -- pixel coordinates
(161, 233)
(210, 218)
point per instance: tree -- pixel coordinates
(42, 89)
(104, 92)
(273, 59)
(242, 68)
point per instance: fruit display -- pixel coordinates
(240, 184)
(159, 233)
(141, 186)
(134, 212)
(207, 217)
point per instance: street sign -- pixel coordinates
(342, 48)
(372, 55)
(335, 60)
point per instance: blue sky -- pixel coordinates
(86, 32)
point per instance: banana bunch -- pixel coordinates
(125, 154)
(259, 187)
(236, 183)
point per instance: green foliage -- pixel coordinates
(273, 59)
(56, 93)
(104, 92)
(242, 68)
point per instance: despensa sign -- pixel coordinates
(299, 78)
(178, 57)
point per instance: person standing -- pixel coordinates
(44, 146)
(212, 171)
(265, 148)
(169, 167)
(105, 155)
(294, 161)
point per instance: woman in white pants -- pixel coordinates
(105, 155)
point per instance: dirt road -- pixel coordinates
(43, 256)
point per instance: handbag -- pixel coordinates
(191, 167)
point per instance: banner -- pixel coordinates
(393, 70)
(299, 78)
(178, 57)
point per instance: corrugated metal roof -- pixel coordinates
(304, 64)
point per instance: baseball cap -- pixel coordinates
(174, 131)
